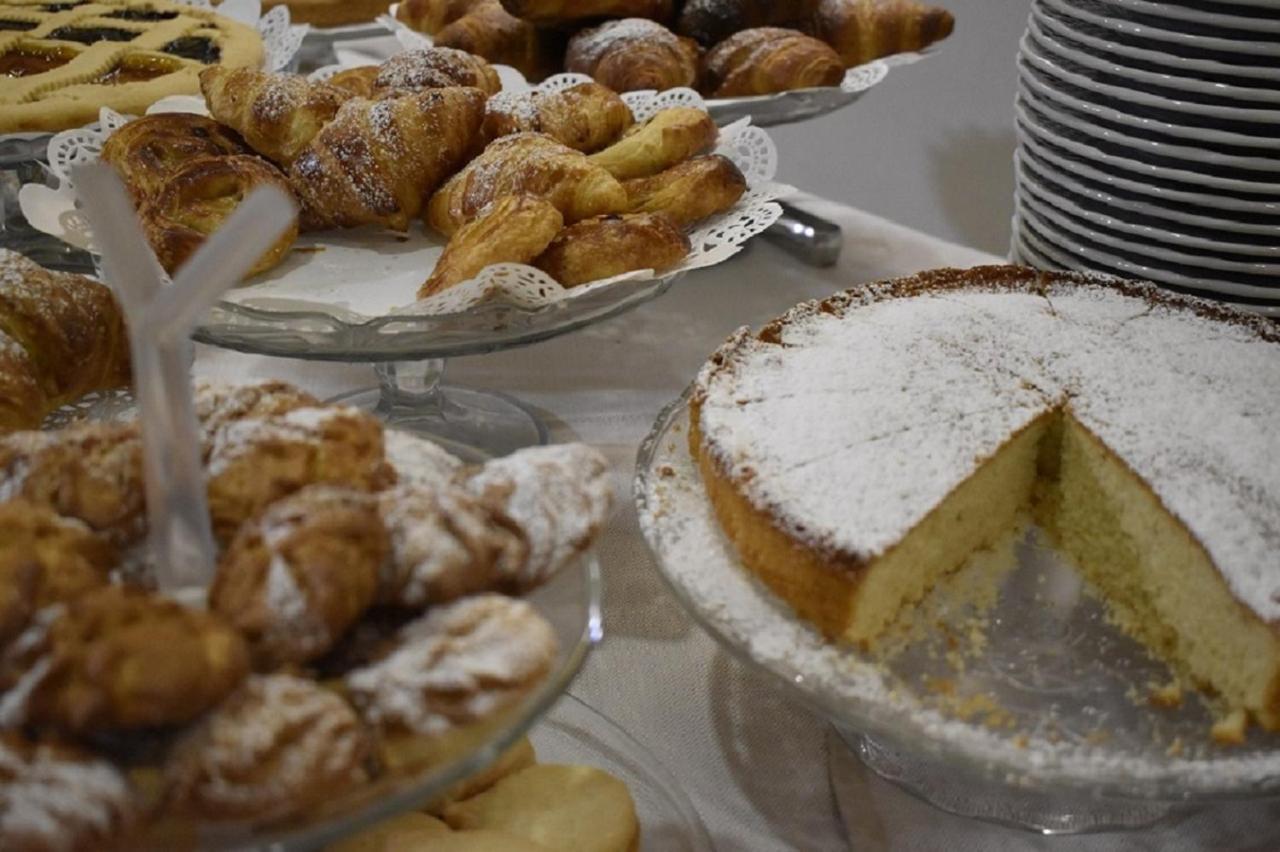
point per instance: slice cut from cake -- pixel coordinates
(858, 449)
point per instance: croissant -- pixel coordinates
(435, 68)
(689, 192)
(767, 60)
(277, 114)
(586, 117)
(199, 197)
(710, 22)
(431, 16)
(568, 11)
(358, 81)
(531, 164)
(634, 54)
(606, 246)
(514, 229)
(61, 336)
(377, 162)
(670, 137)
(489, 31)
(863, 30)
(147, 150)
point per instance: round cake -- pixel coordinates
(859, 448)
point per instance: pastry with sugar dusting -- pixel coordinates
(297, 577)
(276, 748)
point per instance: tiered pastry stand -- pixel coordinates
(1046, 726)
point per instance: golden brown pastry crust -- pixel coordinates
(489, 31)
(61, 336)
(147, 150)
(689, 192)
(218, 404)
(254, 463)
(91, 472)
(529, 164)
(377, 162)
(45, 559)
(672, 136)
(606, 246)
(766, 60)
(634, 54)
(431, 16)
(358, 81)
(198, 197)
(550, 12)
(119, 660)
(710, 22)
(513, 229)
(277, 747)
(435, 68)
(585, 117)
(298, 576)
(330, 13)
(863, 30)
(277, 114)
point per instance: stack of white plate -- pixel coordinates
(1149, 143)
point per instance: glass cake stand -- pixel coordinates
(1010, 697)
(409, 356)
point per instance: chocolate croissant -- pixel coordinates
(634, 54)
(766, 60)
(514, 229)
(863, 30)
(672, 136)
(491, 32)
(568, 11)
(529, 164)
(377, 162)
(606, 246)
(199, 197)
(585, 117)
(61, 337)
(710, 22)
(277, 114)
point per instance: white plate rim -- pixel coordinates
(1153, 33)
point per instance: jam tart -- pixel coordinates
(62, 62)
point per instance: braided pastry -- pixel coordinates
(863, 30)
(277, 114)
(689, 192)
(529, 164)
(147, 150)
(586, 117)
(489, 31)
(670, 137)
(634, 54)
(61, 336)
(377, 162)
(435, 68)
(513, 229)
(569, 11)
(198, 197)
(710, 22)
(600, 248)
(298, 576)
(769, 59)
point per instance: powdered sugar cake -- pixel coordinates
(859, 448)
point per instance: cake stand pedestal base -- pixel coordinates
(472, 424)
(970, 794)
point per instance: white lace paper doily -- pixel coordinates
(332, 272)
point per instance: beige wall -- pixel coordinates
(932, 146)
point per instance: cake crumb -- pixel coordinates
(1230, 729)
(1167, 695)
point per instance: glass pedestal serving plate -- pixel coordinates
(575, 733)
(1009, 696)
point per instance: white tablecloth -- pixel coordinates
(754, 762)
